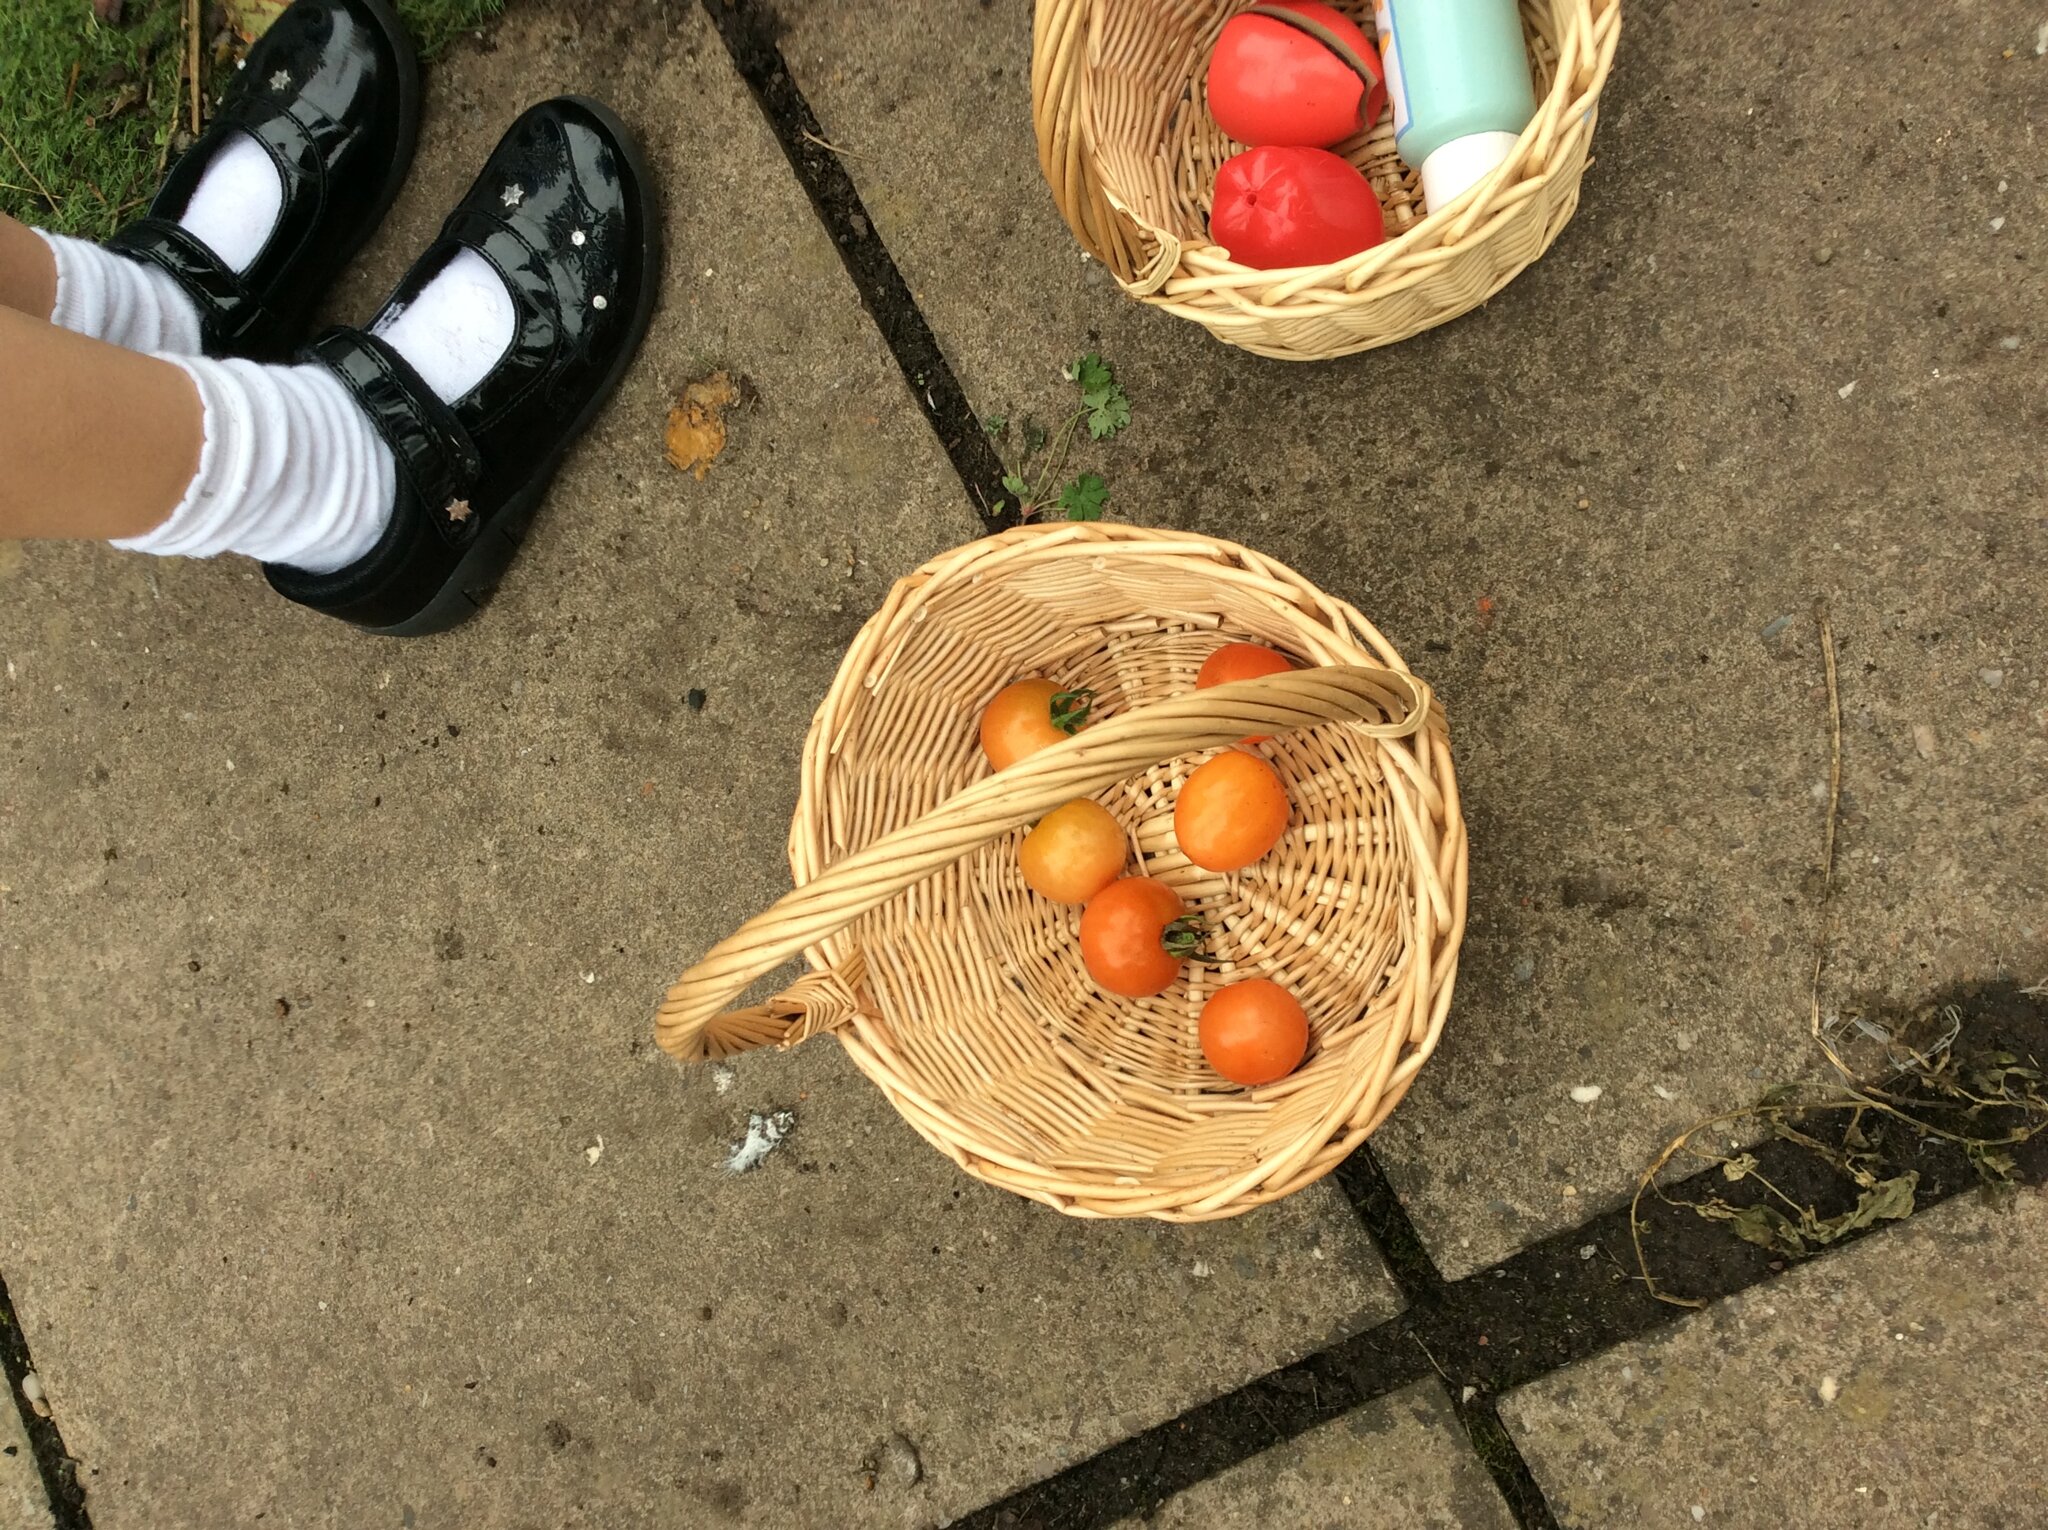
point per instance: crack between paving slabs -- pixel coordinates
(748, 31)
(53, 1462)
(1393, 1233)
(1548, 1306)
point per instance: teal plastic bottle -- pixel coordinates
(1459, 78)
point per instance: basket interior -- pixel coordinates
(1160, 149)
(976, 984)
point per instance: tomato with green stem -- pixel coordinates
(1135, 934)
(1029, 715)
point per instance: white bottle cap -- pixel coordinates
(1462, 164)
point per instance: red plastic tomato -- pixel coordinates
(1027, 716)
(1254, 1032)
(1293, 207)
(1231, 811)
(1134, 936)
(1315, 79)
(1242, 661)
(1073, 853)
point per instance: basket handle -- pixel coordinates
(1386, 704)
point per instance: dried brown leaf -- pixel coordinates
(252, 18)
(696, 426)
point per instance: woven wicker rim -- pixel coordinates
(1128, 149)
(925, 871)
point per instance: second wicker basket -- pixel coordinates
(1131, 154)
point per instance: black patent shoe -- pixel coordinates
(565, 212)
(332, 93)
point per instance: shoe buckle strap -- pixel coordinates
(436, 457)
(227, 308)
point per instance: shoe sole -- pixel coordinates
(476, 578)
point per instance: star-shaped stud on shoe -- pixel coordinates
(282, 80)
(458, 510)
(514, 195)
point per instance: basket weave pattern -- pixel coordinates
(1131, 153)
(962, 994)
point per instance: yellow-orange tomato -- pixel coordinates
(1134, 937)
(1254, 1032)
(1232, 810)
(1027, 716)
(1074, 853)
(1242, 661)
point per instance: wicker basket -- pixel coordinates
(963, 995)
(1130, 151)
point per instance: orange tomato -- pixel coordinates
(1242, 661)
(1254, 1032)
(1134, 936)
(1073, 853)
(1027, 716)
(1232, 810)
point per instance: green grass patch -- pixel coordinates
(437, 23)
(90, 112)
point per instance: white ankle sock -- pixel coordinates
(234, 209)
(291, 470)
(233, 212)
(457, 328)
(122, 301)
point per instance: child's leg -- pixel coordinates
(95, 441)
(185, 455)
(93, 291)
(28, 270)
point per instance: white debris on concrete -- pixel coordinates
(1586, 1094)
(764, 1136)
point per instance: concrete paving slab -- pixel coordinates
(1897, 1383)
(23, 1504)
(1790, 349)
(1401, 1462)
(341, 1183)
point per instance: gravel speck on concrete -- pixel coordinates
(900, 1462)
